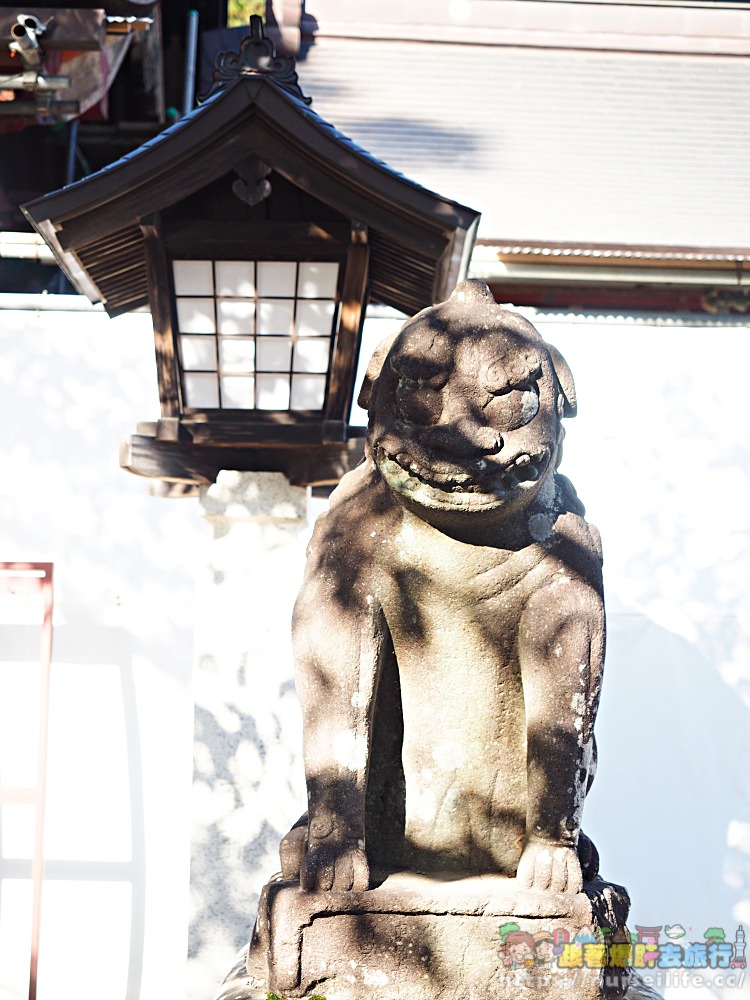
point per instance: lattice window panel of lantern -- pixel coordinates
(255, 335)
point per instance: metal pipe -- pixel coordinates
(191, 55)
(21, 81)
(70, 166)
(59, 109)
(25, 42)
(70, 176)
(29, 22)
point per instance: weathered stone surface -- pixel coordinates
(449, 635)
(425, 938)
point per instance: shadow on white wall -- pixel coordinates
(660, 457)
(72, 382)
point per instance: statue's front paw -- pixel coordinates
(550, 867)
(335, 867)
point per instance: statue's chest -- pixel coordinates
(438, 590)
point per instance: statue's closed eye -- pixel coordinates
(420, 403)
(420, 369)
(512, 408)
(514, 371)
(420, 381)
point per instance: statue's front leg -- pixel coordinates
(337, 655)
(561, 651)
(335, 858)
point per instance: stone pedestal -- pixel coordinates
(420, 938)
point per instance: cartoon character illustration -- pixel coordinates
(585, 936)
(561, 937)
(739, 961)
(715, 935)
(674, 931)
(505, 929)
(519, 950)
(544, 948)
(648, 935)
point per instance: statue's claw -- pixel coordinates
(293, 848)
(335, 868)
(550, 867)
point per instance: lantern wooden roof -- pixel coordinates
(253, 175)
(419, 241)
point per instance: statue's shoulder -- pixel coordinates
(576, 541)
(359, 502)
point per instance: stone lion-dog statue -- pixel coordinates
(449, 634)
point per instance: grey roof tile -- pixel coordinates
(553, 144)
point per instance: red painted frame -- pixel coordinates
(23, 579)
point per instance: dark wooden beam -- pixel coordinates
(253, 240)
(619, 297)
(351, 316)
(161, 315)
(172, 461)
(177, 462)
(227, 434)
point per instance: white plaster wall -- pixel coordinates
(659, 455)
(248, 781)
(114, 920)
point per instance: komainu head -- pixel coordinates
(465, 407)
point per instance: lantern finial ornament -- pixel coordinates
(257, 56)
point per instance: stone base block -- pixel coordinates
(431, 939)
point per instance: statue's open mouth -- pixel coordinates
(487, 483)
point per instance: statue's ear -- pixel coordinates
(373, 370)
(565, 380)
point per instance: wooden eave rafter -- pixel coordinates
(416, 227)
(610, 254)
(616, 276)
